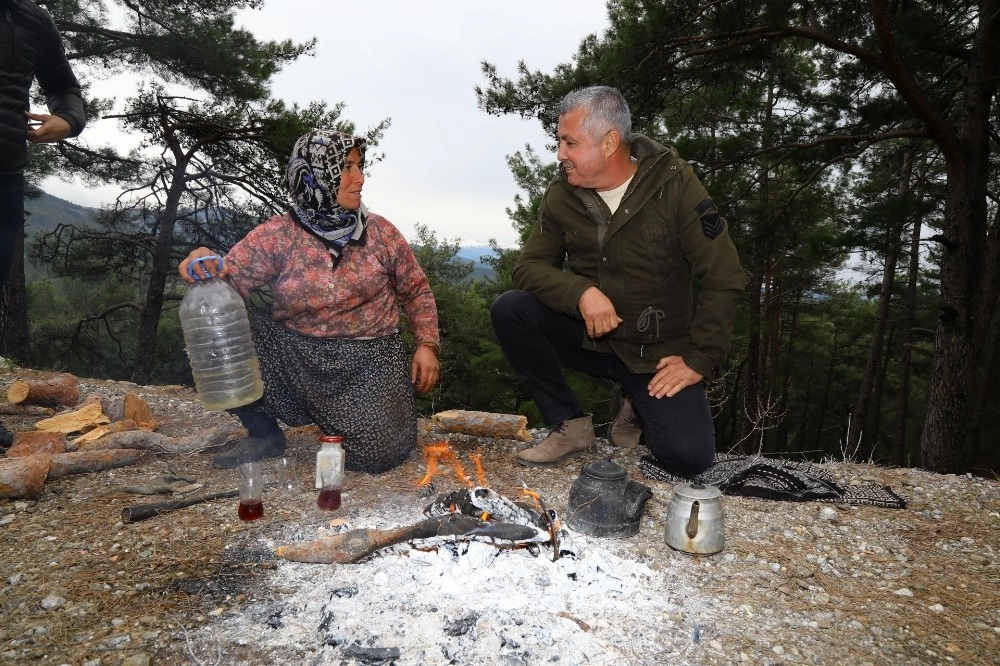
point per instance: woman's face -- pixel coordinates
(352, 179)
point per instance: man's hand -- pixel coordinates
(598, 313)
(424, 369)
(51, 129)
(202, 267)
(673, 375)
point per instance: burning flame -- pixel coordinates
(436, 453)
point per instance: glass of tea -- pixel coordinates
(251, 491)
(288, 477)
(329, 493)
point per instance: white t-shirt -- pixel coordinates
(614, 197)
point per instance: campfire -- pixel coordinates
(472, 513)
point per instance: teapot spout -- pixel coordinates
(692, 527)
(636, 496)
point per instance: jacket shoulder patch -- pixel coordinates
(711, 222)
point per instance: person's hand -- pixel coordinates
(51, 129)
(673, 375)
(598, 313)
(425, 368)
(200, 268)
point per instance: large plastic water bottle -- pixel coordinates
(219, 345)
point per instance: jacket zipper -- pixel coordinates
(10, 28)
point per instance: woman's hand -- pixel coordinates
(201, 267)
(425, 368)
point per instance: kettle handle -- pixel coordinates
(692, 527)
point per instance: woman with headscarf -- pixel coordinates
(332, 354)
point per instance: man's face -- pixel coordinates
(352, 179)
(583, 159)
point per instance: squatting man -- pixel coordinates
(635, 228)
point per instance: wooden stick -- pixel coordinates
(137, 512)
(357, 544)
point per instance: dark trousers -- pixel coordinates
(539, 342)
(11, 220)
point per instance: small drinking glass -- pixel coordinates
(329, 494)
(251, 491)
(288, 478)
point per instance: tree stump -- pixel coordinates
(58, 391)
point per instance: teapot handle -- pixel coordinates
(692, 527)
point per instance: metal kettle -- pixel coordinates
(604, 503)
(694, 519)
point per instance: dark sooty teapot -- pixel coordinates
(604, 503)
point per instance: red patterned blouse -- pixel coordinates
(360, 297)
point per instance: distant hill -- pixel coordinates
(47, 212)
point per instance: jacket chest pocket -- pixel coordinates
(659, 244)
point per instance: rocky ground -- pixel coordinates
(797, 582)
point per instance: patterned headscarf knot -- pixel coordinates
(313, 176)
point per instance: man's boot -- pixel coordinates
(6, 438)
(625, 429)
(566, 440)
(264, 439)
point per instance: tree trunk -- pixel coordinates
(14, 342)
(909, 319)
(160, 267)
(957, 338)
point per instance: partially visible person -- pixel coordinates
(30, 48)
(332, 354)
(636, 230)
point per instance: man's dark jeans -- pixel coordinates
(538, 342)
(11, 220)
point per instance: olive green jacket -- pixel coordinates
(665, 244)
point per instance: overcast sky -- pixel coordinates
(418, 64)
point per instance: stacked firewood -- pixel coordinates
(99, 434)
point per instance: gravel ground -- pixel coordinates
(796, 582)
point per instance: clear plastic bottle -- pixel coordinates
(329, 458)
(219, 344)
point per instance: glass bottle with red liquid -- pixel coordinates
(329, 494)
(330, 472)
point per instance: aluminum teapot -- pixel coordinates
(694, 519)
(604, 503)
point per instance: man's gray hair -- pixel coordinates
(606, 110)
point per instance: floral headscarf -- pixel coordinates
(313, 177)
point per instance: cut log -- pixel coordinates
(24, 478)
(85, 418)
(483, 424)
(59, 391)
(25, 410)
(153, 441)
(82, 462)
(29, 443)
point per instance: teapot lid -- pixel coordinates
(604, 469)
(697, 491)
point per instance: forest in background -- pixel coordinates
(827, 134)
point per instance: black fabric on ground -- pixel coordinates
(777, 479)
